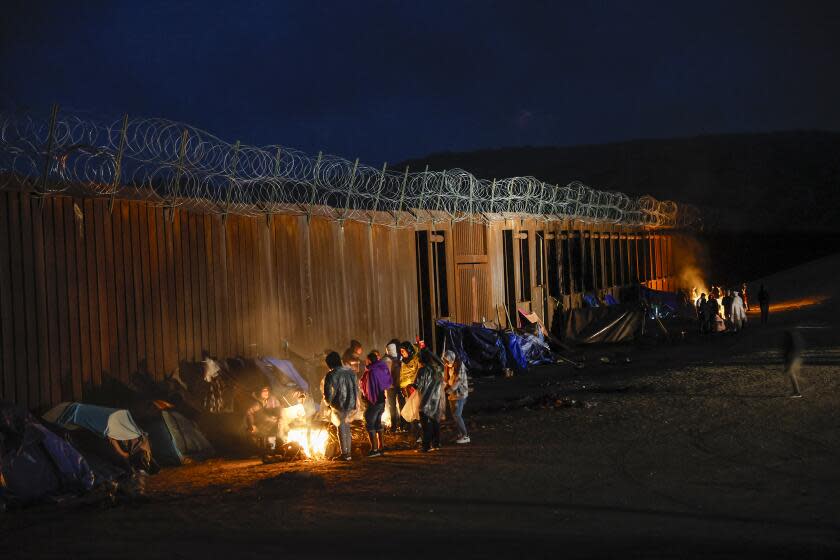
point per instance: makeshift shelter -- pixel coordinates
(482, 350)
(34, 462)
(176, 439)
(128, 447)
(611, 323)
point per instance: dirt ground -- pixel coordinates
(689, 450)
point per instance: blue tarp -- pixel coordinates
(288, 369)
(488, 351)
(481, 349)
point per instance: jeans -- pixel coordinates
(391, 399)
(373, 416)
(431, 431)
(457, 409)
(765, 311)
(341, 420)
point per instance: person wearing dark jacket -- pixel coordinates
(341, 391)
(764, 304)
(375, 381)
(429, 382)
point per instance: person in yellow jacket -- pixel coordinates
(410, 364)
(408, 372)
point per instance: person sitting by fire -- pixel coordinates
(341, 392)
(263, 418)
(374, 383)
(429, 383)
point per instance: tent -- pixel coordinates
(34, 462)
(129, 446)
(612, 323)
(175, 439)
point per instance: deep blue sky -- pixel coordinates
(386, 81)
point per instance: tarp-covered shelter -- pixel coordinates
(175, 439)
(127, 447)
(34, 462)
(612, 323)
(481, 349)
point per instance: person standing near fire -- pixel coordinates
(341, 391)
(429, 383)
(393, 396)
(792, 349)
(375, 381)
(457, 387)
(408, 372)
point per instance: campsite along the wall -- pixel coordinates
(91, 294)
(88, 294)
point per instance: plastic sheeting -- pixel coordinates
(613, 323)
(482, 350)
(288, 369)
(487, 351)
(111, 423)
(35, 462)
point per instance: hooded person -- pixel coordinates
(393, 395)
(737, 313)
(375, 381)
(457, 388)
(341, 392)
(410, 364)
(429, 383)
(263, 416)
(408, 371)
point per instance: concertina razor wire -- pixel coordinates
(172, 164)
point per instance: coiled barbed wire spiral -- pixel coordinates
(173, 164)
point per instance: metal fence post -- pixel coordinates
(42, 191)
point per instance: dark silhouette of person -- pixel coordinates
(764, 304)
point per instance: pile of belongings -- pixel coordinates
(35, 463)
(487, 351)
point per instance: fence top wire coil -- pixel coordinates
(173, 164)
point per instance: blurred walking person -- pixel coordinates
(764, 304)
(792, 348)
(457, 387)
(738, 315)
(341, 391)
(429, 383)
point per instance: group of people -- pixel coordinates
(404, 373)
(726, 309)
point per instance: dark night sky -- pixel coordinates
(386, 81)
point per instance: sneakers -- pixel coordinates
(374, 453)
(463, 439)
(420, 439)
(434, 448)
(796, 396)
(422, 450)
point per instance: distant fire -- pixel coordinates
(791, 304)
